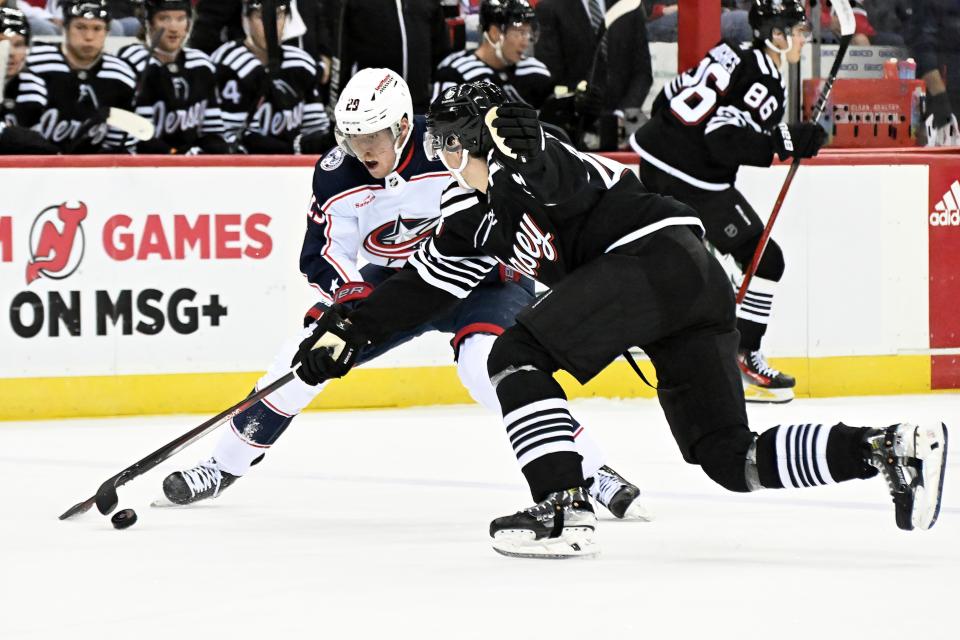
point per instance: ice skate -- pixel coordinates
(561, 526)
(912, 459)
(761, 382)
(618, 495)
(206, 480)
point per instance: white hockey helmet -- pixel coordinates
(373, 100)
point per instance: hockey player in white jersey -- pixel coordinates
(377, 196)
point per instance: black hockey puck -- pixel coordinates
(124, 518)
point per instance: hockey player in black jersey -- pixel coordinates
(66, 92)
(15, 30)
(708, 121)
(263, 113)
(377, 196)
(179, 90)
(626, 267)
(508, 31)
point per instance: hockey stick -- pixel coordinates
(613, 14)
(106, 496)
(268, 8)
(142, 80)
(4, 58)
(130, 123)
(847, 28)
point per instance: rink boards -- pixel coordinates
(139, 285)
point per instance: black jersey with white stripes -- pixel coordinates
(544, 218)
(715, 117)
(180, 98)
(68, 106)
(527, 81)
(290, 106)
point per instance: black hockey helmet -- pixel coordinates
(456, 118)
(767, 15)
(89, 9)
(153, 7)
(249, 6)
(14, 23)
(504, 13)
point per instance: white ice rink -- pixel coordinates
(374, 525)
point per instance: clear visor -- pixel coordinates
(356, 144)
(802, 29)
(434, 143)
(523, 31)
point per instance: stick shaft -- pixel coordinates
(175, 446)
(818, 110)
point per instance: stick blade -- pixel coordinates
(848, 22)
(77, 509)
(106, 497)
(129, 122)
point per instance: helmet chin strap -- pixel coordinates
(399, 143)
(769, 43)
(458, 171)
(497, 47)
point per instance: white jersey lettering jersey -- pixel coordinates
(355, 217)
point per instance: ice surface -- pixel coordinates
(373, 524)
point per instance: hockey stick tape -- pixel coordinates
(848, 23)
(497, 138)
(131, 123)
(330, 341)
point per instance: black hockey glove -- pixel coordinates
(938, 110)
(940, 123)
(801, 140)
(212, 143)
(282, 95)
(516, 130)
(154, 146)
(331, 350)
(20, 140)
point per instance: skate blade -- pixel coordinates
(931, 448)
(574, 543)
(636, 511)
(763, 395)
(164, 502)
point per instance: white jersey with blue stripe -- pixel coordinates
(356, 219)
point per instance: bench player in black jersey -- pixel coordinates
(508, 31)
(66, 92)
(179, 92)
(281, 113)
(626, 267)
(15, 29)
(709, 120)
